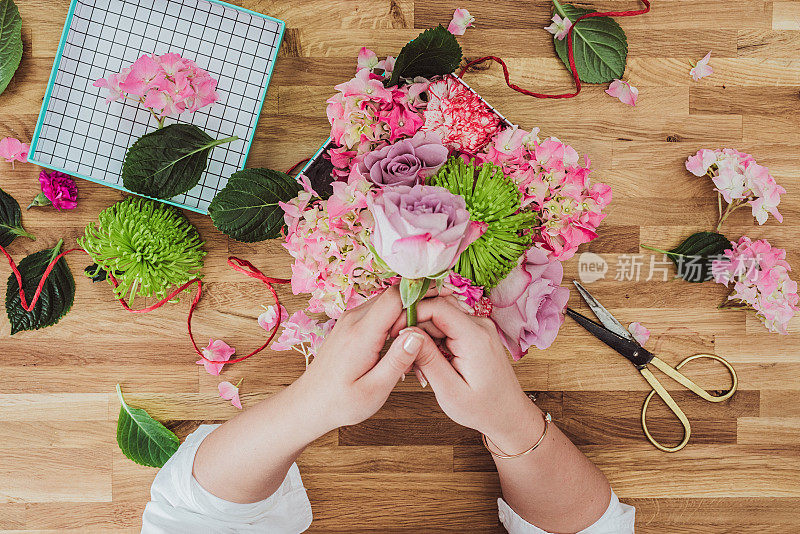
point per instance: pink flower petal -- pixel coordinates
(639, 332)
(702, 69)
(12, 150)
(216, 351)
(624, 91)
(230, 392)
(461, 21)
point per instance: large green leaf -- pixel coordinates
(143, 439)
(10, 41)
(434, 52)
(168, 161)
(57, 294)
(10, 220)
(598, 44)
(247, 207)
(694, 256)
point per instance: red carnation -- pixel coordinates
(463, 121)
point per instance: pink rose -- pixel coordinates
(528, 304)
(420, 231)
(406, 162)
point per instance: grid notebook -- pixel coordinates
(80, 134)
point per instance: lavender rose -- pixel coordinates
(527, 304)
(420, 231)
(406, 162)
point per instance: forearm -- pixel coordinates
(555, 486)
(247, 458)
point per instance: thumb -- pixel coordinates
(441, 375)
(397, 361)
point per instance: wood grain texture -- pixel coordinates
(409, 468)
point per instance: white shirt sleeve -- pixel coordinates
(617, 519)
(179, 504)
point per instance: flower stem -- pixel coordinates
(22, 232)
(411, 315)
(648, 247)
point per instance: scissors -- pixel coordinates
(612, 333)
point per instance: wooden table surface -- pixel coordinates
(409, 468)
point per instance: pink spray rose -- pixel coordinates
(58, 190)
(406, 162)
(420, 231)
(528, 304)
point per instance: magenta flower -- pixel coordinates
(420, 231)
(216, 351)
(13, 150)
(528, 304)
(406, 162)
(463, 288)
(58, 190)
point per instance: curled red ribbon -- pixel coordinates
(570, 54)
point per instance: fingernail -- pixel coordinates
(412, 343)
(421, 377)
(403, 377)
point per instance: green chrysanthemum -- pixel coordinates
(494, 199)
(149, 246)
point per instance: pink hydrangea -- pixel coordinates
(215, 355)
(554, 184)
(329, 241)
(740, 181)
(461, 118)
(303, 334)
(12, 150)
(760, 276)
(166, 85)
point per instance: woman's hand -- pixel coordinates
(477, 388)
(347, 377)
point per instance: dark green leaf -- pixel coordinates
(168, 161)
(693, 257)
(10, 41)
(434, 52)
(247, 207)
(598, 44)
(55, 299)
(97, 273)
(143, 439)
(10, 220)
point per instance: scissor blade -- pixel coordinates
(603, 314)
(629, 348)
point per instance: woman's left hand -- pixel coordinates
(348, 379)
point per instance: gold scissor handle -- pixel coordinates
(659, 390)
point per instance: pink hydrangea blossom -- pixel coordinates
(702, 68)
(461, 21)
(166, 85)
(230, 392)
(554, 184)
(759, 273)
(216, 351)
(462, 119)
(12, 150)
(739, 181)
(272, 316)
(624, 91)
(302, 334)
(560, 27)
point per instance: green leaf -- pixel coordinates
(55, 299)
(143, 439)
(168, 161)
(693, 257)
(10, 42)
(434, 52)
(413, 289)
(247, 207)
(599, 45)
(10, 220)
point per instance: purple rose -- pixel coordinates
(528, 304)
(406, 162)
(420, 231)
(58, 189)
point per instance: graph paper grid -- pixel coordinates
(80, 134)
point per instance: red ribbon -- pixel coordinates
(570, 54)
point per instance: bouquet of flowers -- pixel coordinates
(422, 183)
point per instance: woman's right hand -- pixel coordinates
(477, 387)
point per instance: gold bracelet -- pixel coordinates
(547, 419)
